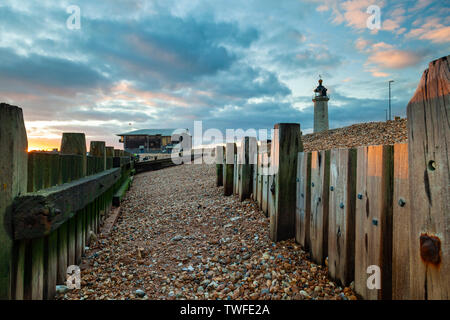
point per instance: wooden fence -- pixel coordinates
(50, 205)
(374, 210)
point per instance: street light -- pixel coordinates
(390, 81)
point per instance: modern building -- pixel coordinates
(152, 140)
(320, 100)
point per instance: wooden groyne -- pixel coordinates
(362, 210)
(51, 205)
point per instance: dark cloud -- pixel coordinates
(48, 71)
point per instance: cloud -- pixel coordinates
(165, 63)
(361, 44)
(395, 59)
(322, 8)
(354, 12)
(48, 71)
(378, 74)
(397, 16)
(420, 5)
(432, 29)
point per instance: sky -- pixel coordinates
(136, 64)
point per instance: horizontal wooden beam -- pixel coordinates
(39, 213)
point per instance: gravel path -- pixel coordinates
(178, 237)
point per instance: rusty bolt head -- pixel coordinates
(430, 249)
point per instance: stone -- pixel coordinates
(177, 238)
(139, 293)
(61, 289)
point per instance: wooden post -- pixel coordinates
(50, 264)
(75, 144)
(62, 254)
(302, 222)
(286, 144)
(320, 187)
(341, 222)
(228, 178)
(37, 269)
(428, 137)
(373, 219)
(220, 154)
(43, 172)
(235, 173)
(265, 183)
(259, 181)
(401, 224)
(109, 157)
(13, 182)
(245, 168)
(98, 149)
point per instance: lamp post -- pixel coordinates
(390, 81)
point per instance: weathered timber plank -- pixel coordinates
(285, 146)
(373, 220)
(79, 236)
(13, 182)
(19, 269)
(75, 143)
(303, 200)
(37, 269)
(37, 214)
(429, 177)
(229, 169)
(259, 181)
(248, 147)
(341, 218)
(50, 265)
(254, 164)
(220, 155)
(235, 173)
(71, 240)
(265, 183)
(401, 212)
(62, 253)
(320, 184)
(271, 210)
(98, 149)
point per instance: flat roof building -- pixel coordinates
(152, 140)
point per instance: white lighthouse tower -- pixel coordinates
(320, 108)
